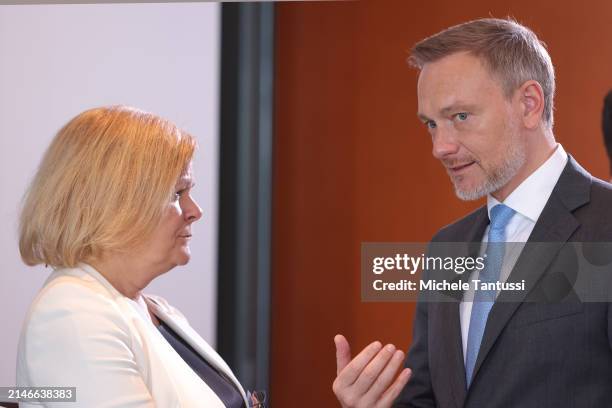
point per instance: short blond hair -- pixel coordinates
(102, 185)
(509, 50)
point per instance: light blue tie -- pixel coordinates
(484, 299)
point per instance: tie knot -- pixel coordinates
(500, 216)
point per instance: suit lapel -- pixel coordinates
(194, 340)
(554, 228)
(450, 315)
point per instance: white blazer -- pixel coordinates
(81, 332)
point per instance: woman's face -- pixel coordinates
(169, 243)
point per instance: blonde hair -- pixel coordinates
(102, 185)
(509, 50)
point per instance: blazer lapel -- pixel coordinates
(553, 229)
(183, 329)
(450, 315)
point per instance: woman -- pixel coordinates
(110, 209)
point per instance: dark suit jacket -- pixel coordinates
(533, 354)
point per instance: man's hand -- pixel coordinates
(367, 380)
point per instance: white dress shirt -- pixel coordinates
(528, 201)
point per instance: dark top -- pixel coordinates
(217, 381)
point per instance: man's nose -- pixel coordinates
(444, 143)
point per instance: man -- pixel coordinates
(485, 94)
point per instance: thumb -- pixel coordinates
(343, 352)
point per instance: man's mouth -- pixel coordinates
(460, 167)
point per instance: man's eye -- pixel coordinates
(430, 124)
(462, 116)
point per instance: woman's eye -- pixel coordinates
(178, 195)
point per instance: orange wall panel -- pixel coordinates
(353, 164)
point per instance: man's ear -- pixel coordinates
(531, 99)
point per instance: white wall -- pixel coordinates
(58, 60)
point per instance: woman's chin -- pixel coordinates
(184, 257)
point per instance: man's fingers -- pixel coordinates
(366, 378)
(394, 390)
(384, 380)
(343, 352)
(373, 370)
(349, 374)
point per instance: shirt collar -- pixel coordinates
(530, 197)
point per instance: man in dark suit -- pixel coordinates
(485, 94)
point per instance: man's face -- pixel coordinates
(474, 128)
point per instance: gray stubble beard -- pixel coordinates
(498, 177)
